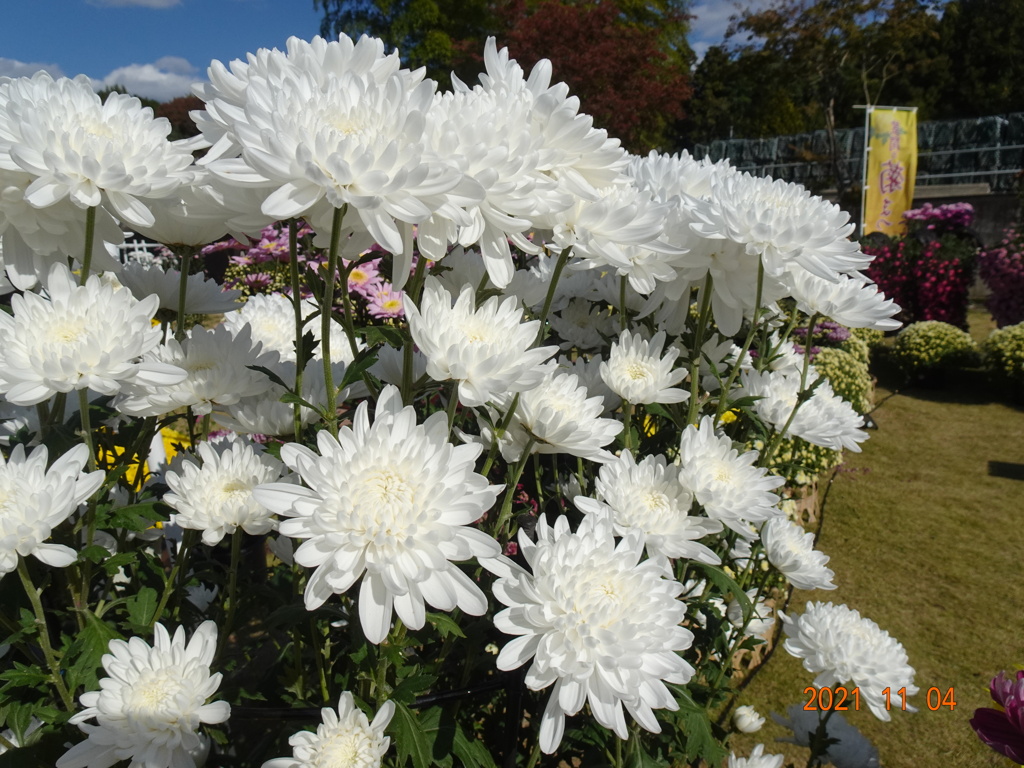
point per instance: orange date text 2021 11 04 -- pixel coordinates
(842, 698)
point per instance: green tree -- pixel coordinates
(837, 54)
(983, 40)
(628, 61)
(427, 33)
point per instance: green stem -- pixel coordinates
(500, 433)
(229, 621)
(453, 404)
(44, 636)
(623, 312)
(90, 233)
(326, 311)
(186, 267)
(817, 746)
(413, 294)
(563, 259)
(90, 509)
(627, 419)
(505, 516)
(534, 756)
(801, 398)
(698, 349)
(723, 400)
(318, 659)
(293, 268)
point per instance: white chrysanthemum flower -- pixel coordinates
(329, 124)
(762, 617)
(638, 373)
(791, 550)
(676, 176)
(560, 417)
(194, 216)
(589, 374)
(390, 365)
(824, 419)
(345, 739)
(841, 647)
(782, 223)
(747, 719)
(151, 703)
(270, 318)
(757, 759)
(111, 153)
(265, 414)
(215, 497)
(33, 239)
(583, 324)
(622, 231)
(217, 374)
(394, 500)
(598, 623)
(734, 277)
(851, 748)
(728, 485)
(648, 497)
(581, 158)
(81, 337)
(35, 499)
(490, 138)
(489, 350)
(202, 295)
(852, 300)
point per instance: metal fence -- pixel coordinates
(980, 150)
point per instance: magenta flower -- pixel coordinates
(1003, 729)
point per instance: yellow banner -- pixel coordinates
(891, 169)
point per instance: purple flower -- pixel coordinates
(1003, 729)
(385, 301)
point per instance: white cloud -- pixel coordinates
(712, 20)
(14, 68)
(163, 80)
(136, 3)
(175, 64)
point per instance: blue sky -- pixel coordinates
(156, 48)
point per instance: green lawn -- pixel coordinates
(926, 538)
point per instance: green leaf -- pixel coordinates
(354, 371)
(23, 675)
(445, 624)
(142, 607)
(382, 334)
(269, 374)
(411, 739)
(94, 554)
(141, 516)
(111, 564)
(727, 584)
(472, 752)
(307, 347)
(291, 398)
(86, 651)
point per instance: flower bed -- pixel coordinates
(499, 441)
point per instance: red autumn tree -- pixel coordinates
(176, 110)
(616, 65)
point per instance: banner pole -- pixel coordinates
(864, 167)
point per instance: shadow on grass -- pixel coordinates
(968, 386)
(1007, 469)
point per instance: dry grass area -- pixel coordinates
(925, 533)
